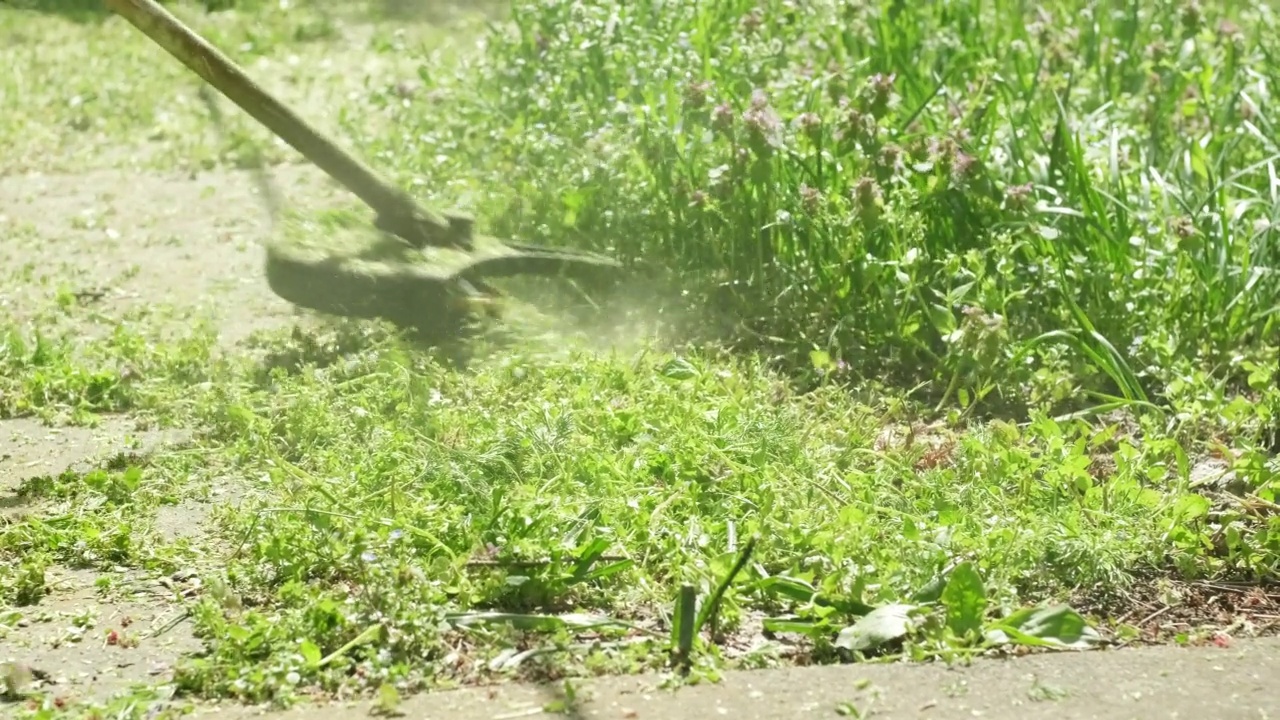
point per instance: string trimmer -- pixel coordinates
(414, 268)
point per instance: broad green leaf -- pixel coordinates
(802, 592)
(310, 652)
(388, 702)
(788, 587)
(909, 529)
(1056, 626)
(878, 627)
(944, 321)
(605, 571)
(932, 591)
(965, 599)
(131, 479)
(238, 633)
(1191, 507)
(679, 369)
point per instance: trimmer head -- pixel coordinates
(360, 271)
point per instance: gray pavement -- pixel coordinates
(1237, 682)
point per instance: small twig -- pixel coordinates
(1239, 587)
(93, 295)
(1263, 502)
(1137, 603)
(175, 622)
(1153, 616)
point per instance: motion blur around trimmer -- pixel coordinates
(414, 268)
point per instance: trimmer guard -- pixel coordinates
(359, 271)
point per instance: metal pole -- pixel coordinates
(397, 211)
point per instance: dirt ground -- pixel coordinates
(127, 241)
(60, 640)
(129, 245)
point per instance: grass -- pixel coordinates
(922, 194)
(972, 290)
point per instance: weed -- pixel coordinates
(918, 193)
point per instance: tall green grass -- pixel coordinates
(995, 199)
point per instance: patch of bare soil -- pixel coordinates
(76, 642)
(113, 245)
(121, 242)
(79, 645)
(29, 448)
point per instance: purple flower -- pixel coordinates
(891, 157)
(695, 94)
(962, 163)
(1018, 197)
(866, 196)
(881, 87)
(762, 122)
(722, 117)
(810, 125)
(857, 125)
(810, 198)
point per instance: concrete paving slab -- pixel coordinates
(1234, 683)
